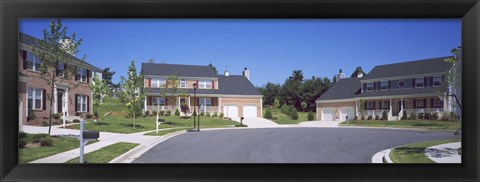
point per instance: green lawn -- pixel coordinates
(106, 154)
(415, 153)
(164, 132)
(117, 123)
(284, 119)
(420, 124)
(60, 144)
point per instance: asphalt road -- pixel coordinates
(284, 145)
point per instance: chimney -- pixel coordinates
(65, 44)
(226, 72)
(246, 73)
(340, 75)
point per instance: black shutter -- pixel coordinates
(424, 103)
(389, 85)
(432, 101)
(425, 81)
(413, 83)
(414, 103)
(44, 95)
(431, 81)
(88, 76)
(380, 105)
(76, 101)
(88, 104)
(364, 87)
(365, 105)
(24, 57)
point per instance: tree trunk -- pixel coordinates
(133, 119)
(51, 103)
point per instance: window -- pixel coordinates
(369, 87)
(35, 98)
(437, 80)
(183, 84)
(157, 83)
(206, 101)
(158, 101)
(401, 83)
(419, 82)
(82, 74)
(33, 63)
(370, 106)
(60, 68)
(384, 85)
(438, 103)
(82, 103)
(420, 104)
(385, 104)
(205, 84)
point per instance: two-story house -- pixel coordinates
(415, 87)
(71, 96)
(233, 95)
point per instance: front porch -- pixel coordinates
(204, 104)
(396, 107)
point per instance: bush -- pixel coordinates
(202, 113)
(154, 112)
(384, 115)
(434, 116)
(377, 117)
(356, 118)
(194, 113)
(45, 141)
(370, 117)
(412, 116)
(56, 122)
(404, 116)
(215, 114)
(147, 112)
(294, 114)
(56, 116)
(428, 116)
(89, 116)
(168, 113)
(420, 116)
(37, 137)
(21, 134)
(22, 143)
(363, 117)
(45, 123)
(76, 121)
(144, 115)
(274, 118)
(310, 116)
(284, 109)
(207, 114)
(177, 112)
(268, 114)
(291, 110)
(221, 115)
(95, 114)
(241, 125)
(31, 115)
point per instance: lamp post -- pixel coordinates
(195, 104)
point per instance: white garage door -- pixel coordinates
(249, 111)
(347, 111)
(230, 111)
(327, 114)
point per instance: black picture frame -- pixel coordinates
(11, 11)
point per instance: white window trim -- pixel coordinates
(373, 88)
(419, 101)
(183, 84)
(203, 84)
(441, 81)
(386, 104)
(158, 99)
(81, 74)
(82, 99)
(34, 98)
(205, 101)
(381, 85)
(34, 59)
(423, 82)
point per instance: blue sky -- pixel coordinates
(270, 49)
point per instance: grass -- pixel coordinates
(415, 153)
(59, 144)
(420, 124)
(117, 123)
(106, 154)
(164, 132)
(284, 119)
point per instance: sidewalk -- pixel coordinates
(445, 153)
(106, 138)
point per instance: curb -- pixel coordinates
(392, 128)
(382, 157)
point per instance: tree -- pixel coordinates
(98, 89)
(107, 76)
(453, 79)
(270, 91)
(276, 104)
(304, 105)
(133, 92)
(213, 68)
(357, 71)
(172, 89)
(55, 51)
(334, 79)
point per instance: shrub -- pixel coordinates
(177, 112)
(56, 116)
(221, 115)
(185, 117)
(154, 112)
(294, 114)
(412, 116)
(144, 115)
(268, 114)
(147, 112)
(89, 116)
(76, 121)
(127, 115)
(37, 137)
(434, 116)
(291, 109)
(168, 113)
(428, 116)
(241, 125)
(45, 141)
(284, 109)
(363, 117)
(202, 113)
(370, 117)
(420, 116)
(22, 143)
(95, 114)
(31, 115)
(45, 123)
(215, 114)
(377, 117)
(274, 118)
(208, 114)
(310, 116)
(384, 115)
(356, 118)
(21, 134)
(404, 116)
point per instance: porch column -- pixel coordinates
(178, 103)
(189, 103)
(445, 104)
(55, 105)
(65, 109)
(401, 104)
(390, 105)
(356, 108)
(145, 102)
(219, 105)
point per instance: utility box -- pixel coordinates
(90, 135)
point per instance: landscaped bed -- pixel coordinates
(419, 124)
(281, 118)
(106, 154)
(415, 153)
(34, 150)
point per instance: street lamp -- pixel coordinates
(195, 104)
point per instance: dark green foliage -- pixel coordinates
(284, 108)
(241, 125)
(428, 116)
(420, 116)
(412, 116)
(45, 141)
(294, 115)
(214, 114)
(384, 115)
(76, 121)
(21, 134)
(363, 117)
(221, 115)
(89, 116)
(310, 116)
(434, 116)
(202, 114)
(56, 116)
(377, 117)
(147, 112)
(268, 114)
(168, 113)
(370, 117)
(22, 143)
(186, 117)
(37, 138)
(404, 116)
(194, 113)
(274, 118)
(177, 112)
(31, 115)
(207, 114)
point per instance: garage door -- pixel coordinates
(230, 111)
(347, 111)
(249, 111)
(327, 114)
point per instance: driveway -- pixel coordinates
(284, 145)
(258, 123)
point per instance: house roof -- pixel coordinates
(426, 66)
(345, 88)
(162, 69)
(426, 90)
(228, 85)
(29, 40)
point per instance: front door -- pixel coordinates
(60, 101)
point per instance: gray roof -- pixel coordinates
(413, 91)
(161, 69)
(345, 88)
(426, 66)
(29, 40)
(228, 85)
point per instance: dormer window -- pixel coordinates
(183, 84)
(369, 87)
(384, 85)
(437, 80)
(419, 82)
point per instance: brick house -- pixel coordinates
(414, 87)
(233, 95)
(33, 91)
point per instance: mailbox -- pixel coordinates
(161, 120)
(89, 135)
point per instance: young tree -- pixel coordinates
(304, 105)
(133, 92)
(276, 104)
(55, 51)
(99, 90)
(453, 80)
(172, 89)
(107, 76)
